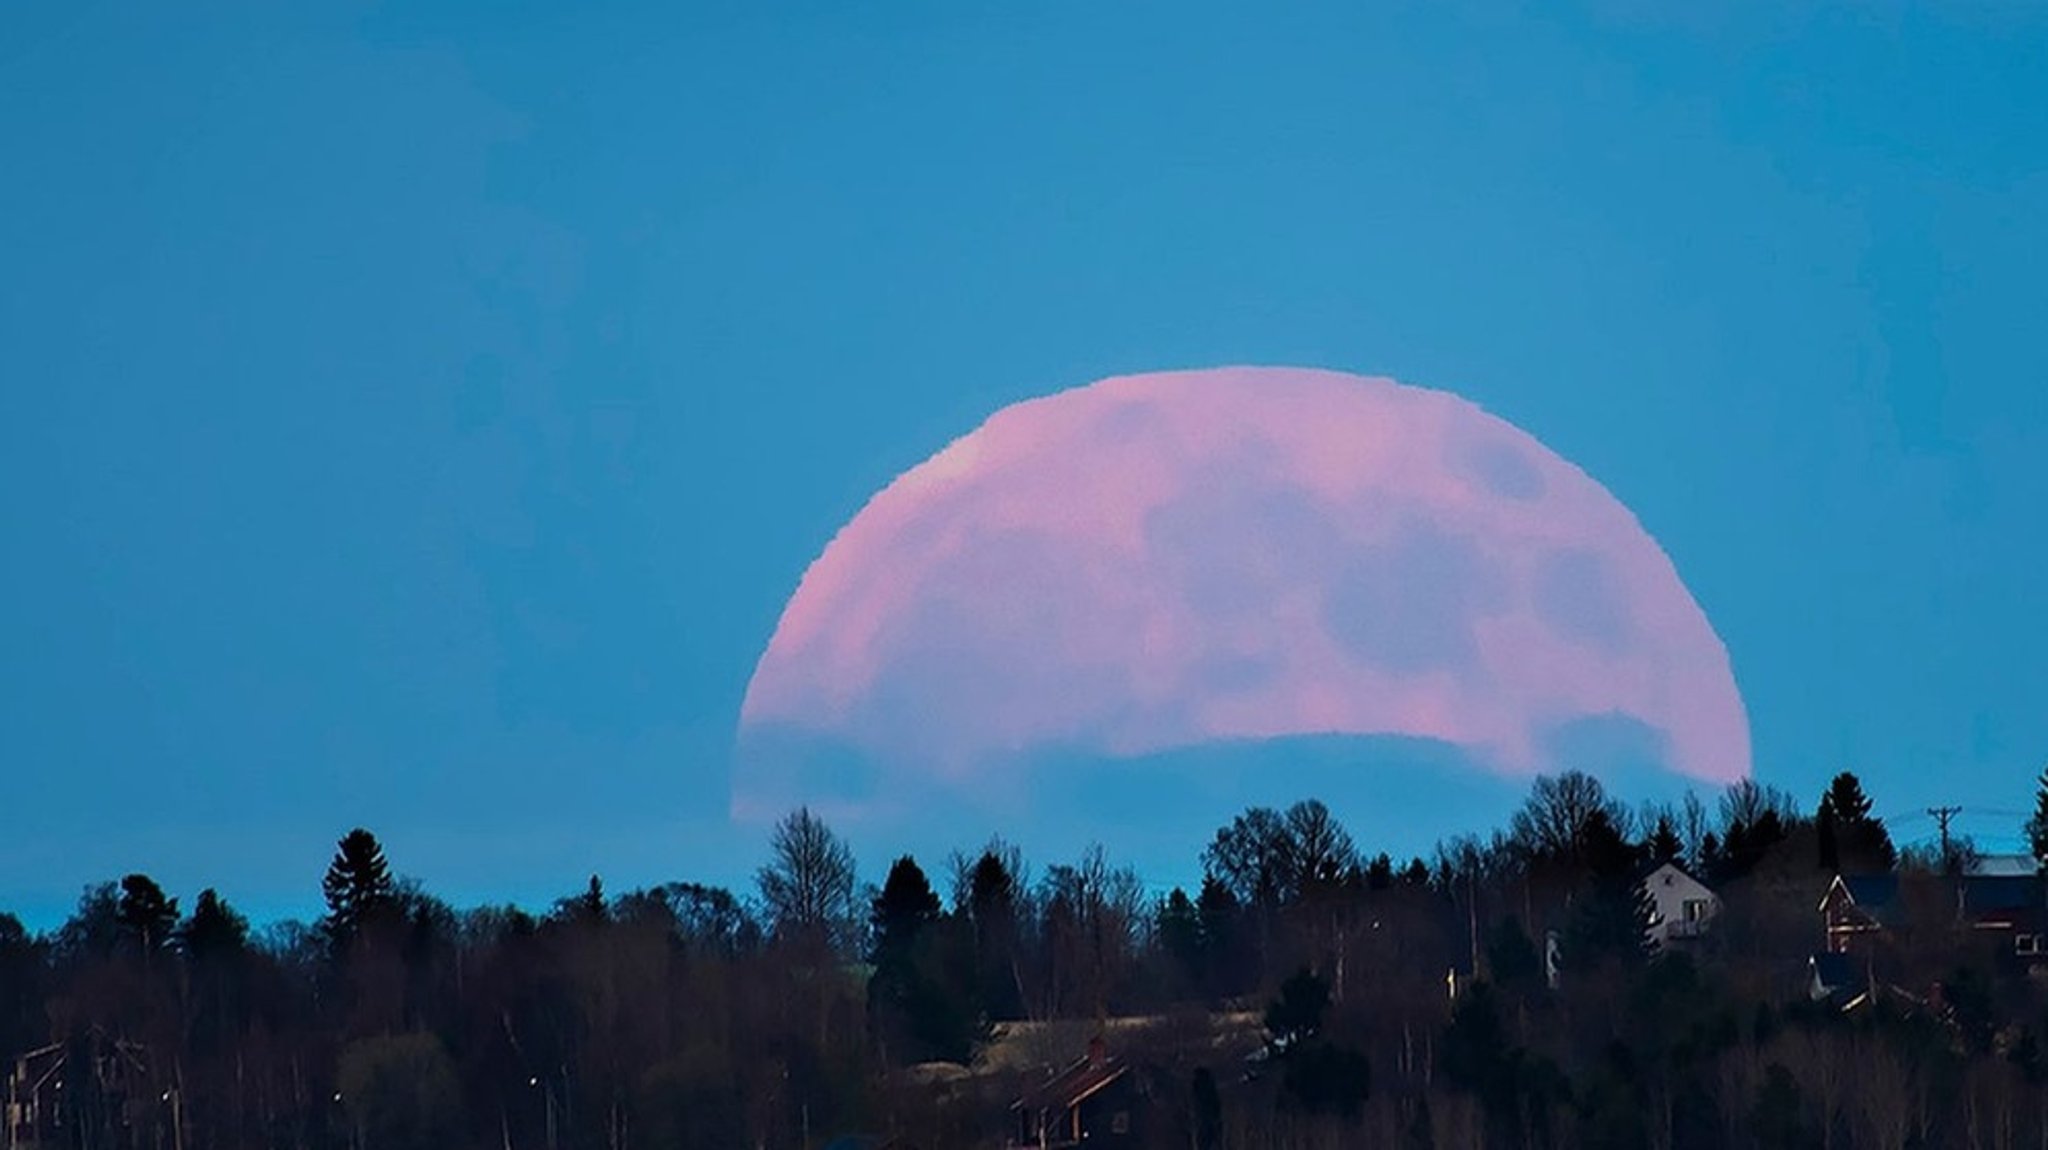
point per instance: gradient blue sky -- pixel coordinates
(418, 416)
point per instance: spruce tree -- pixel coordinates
(214, 930)
(1852, 839)
(1663, 844)
(357, 888)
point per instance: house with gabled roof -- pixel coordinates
(1859, 910)
(1681, 906)
(1859, 907)
(1091, 1102)
(35, 1115)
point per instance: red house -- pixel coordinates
(1090, 1103)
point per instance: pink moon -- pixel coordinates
(1162, 561)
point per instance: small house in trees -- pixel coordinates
(34, 1117)
(1091, 1103)
(116, 1097)
(1857, 908)
(2002, 866)
(1680, 906)
(2010, 909)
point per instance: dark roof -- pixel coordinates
(1834, 971)
(1071, 1086)
(1991, 894)
(1872, 892)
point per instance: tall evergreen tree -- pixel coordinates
(995, 915)
(357, 888)
(1845, 795)
(1230, 965)
(1178, 927)
(921, 996)
(903, 910)
(1851, 838)
(215, 929)
(1664, 845)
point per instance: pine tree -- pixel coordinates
(1851, 838)
(147, 918)
(922, 992)
(589, 908)
(1845, 795)
(1664, 845)
(905, 908)
(214, 930)
(358, 887)
(1178, 927)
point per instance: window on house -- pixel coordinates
(2027, 943)
(1120, 1123)
(1695, 909)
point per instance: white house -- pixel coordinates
(1681, 906)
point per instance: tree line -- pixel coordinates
(1501, 992)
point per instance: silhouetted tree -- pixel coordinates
(1092, 914)
(1251, 857)
(588, 908)
(147, 917)
(358, 886)
(1178, 927)
(94, 930)
(1379, 874)
(215, 929)
(902, 911)
(22, 968)
(2037, 826)
(1851, 838)
(1317, 850)
(807, 886)
(1561, 814)
(921, 996)
(1663, 845)
(1229, 959)
(1297, 1015)
(992, 905)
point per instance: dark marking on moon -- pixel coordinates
(1579, 597)
(1409, 606)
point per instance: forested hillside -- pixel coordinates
(1310, 992)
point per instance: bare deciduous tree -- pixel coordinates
(807, 887)
(1554, 818)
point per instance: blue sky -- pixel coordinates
(419, 417)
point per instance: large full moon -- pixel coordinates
(1163, 561)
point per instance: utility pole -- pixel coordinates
(1941, 816)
